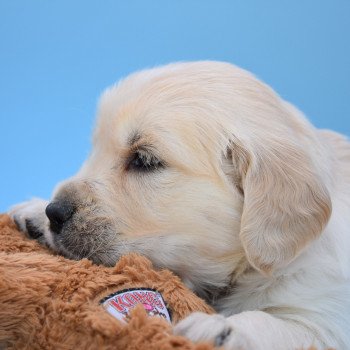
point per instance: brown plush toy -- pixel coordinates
(49, 302)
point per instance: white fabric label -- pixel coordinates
(120, 303)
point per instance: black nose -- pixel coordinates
(58, 213)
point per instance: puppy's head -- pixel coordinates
(200, 167)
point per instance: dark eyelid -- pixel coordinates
(144, 147)
(146, 152)
(139, 150)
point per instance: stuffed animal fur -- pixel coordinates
(49, 302)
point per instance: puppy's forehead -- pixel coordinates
(170, 100)
(190, 106)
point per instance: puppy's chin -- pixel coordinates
(99, 246)
(107, 258)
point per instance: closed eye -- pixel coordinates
(144, 161)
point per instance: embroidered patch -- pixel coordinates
(120, 303)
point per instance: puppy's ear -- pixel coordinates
(286, 205)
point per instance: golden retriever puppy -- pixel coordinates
(206, 171)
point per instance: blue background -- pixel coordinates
(57, 56)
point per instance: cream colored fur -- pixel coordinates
(249, 204)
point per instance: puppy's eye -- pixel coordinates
(144, 161)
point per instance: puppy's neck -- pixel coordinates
(213, 294)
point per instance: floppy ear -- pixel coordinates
(286, 205)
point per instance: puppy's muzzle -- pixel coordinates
(59, 212)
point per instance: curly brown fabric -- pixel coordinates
(49, 302)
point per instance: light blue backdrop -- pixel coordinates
(57, 56)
